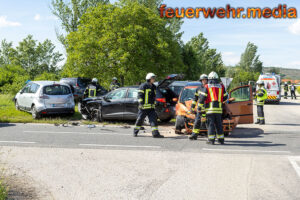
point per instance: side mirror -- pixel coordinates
(106, 99)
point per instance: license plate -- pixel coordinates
(58, 105)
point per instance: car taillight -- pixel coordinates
(44, 97)
(167, 110)
(277, 92)
(162, 100)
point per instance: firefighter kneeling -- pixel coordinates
(212, 97)
(147, 101)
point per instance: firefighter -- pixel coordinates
(293, 91)
(94, 89)
(286, 89)
(114, 84)
(147, 101)
(201, 116)
(261, 96)
(212, 97)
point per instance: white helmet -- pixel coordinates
(115, 78)
(203, 76)
(150, 75)
(259, 82)
(94, 80)
(285, 82)
(213, 75)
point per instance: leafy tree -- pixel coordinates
(125, 41)
(35, 57)
(200, 58)
(6, 52)
(250, 60)
(70, 12)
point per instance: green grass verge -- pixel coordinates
(3, 191)
(8, 114)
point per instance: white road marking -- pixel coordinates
(244, 150)
(125, 146)
(17, 142)
(80, 133)
(293, 160)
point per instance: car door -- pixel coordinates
(113, 104)
(131, 104)
(242, 106)
(23, 100)
(31, 94)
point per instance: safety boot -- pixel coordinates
(221, 141)
(135, 132)
(257, 122)
(262, 122)
(211, 142)
(193, 136)
(156, 134)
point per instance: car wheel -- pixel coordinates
(179, 124)
(17, 105)
(166, 120)
(35, 114)
(99, 114)
(146, 121)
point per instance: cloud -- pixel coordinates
(5, 23)
(295, 27)
(230, 58)
(37, 17)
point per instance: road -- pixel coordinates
(77, 162)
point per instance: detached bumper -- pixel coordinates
(53, 111)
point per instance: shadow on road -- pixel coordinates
(284, 124)
(6, 125)
(252, 143)
(247, 133)
(289, 104)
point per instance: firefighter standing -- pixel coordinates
(147, 100)
(94, 89)
(286, 89)
(293, 91)
(261, 96)
(201, 116)
(114, 84)
(212, 97)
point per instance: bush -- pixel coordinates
(298, 89)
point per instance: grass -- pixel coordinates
(9, 114)
(3, 191)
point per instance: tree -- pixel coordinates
(200, 58)
(249, 60)
(126, 41)
(6, 52)
(69, 14)
(35, 57)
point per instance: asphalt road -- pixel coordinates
(257, 162)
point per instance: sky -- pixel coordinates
(278, 40)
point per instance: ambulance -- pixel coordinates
(272, 85)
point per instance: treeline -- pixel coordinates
(126, 40)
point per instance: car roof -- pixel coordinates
(43, 83)
(179, 83)
(194, 83)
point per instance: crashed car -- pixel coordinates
(237, 110)
(122, 103)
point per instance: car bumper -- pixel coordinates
(52, 111)
(166, 113)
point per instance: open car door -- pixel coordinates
(242, 106)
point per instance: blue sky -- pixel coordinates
(278, 39)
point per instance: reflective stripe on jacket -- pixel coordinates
(216, 94)
(147, 96)
(261, 95)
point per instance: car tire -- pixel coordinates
(166, 120)
(179, 124)
(35, 114)
(99, 114)
(17, 105)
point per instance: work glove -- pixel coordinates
(203, 119)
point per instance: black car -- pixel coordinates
(122, 103)
(78, 86)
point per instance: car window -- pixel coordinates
(117, 94)
(83, 82)
(26, 89)
(133, 93)
(34, 87)
(56, 90)
(187, 94)
(241, 94)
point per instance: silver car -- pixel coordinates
(45, 98)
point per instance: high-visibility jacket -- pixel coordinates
(147, 96)
(114, 86)
(200, 90)
(213, 97)
(93, 90)
(261, 95)
(286, 88)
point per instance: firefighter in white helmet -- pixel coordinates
(212, 97)
(261, 96)
(147, 101)
(199, 122)
(94, 89)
